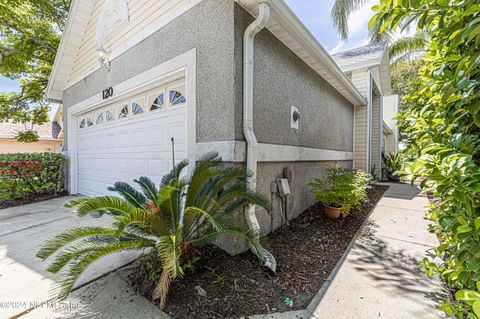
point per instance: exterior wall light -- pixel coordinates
(102, 57)
(294, 117)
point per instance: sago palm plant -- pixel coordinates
(183, 212)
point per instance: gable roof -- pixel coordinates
(373, 56)
(366, 56)
(47, 131)
(284, 24)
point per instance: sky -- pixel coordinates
(315, 14)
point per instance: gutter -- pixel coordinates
(252, 144)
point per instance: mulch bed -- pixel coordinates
(29, 199)
(306, 253)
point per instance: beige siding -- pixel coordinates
(10, 145)
(375, 146)
(144, 14)
(359, 79)
(390, 109)
(361, 137)
(390, 144)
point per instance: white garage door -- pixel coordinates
(132, 138)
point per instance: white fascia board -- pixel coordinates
(70, 42)
(361, 65)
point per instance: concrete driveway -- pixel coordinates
(24, 282)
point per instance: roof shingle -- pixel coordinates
(362, 54)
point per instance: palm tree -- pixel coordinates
(400, 48)
(184, 212)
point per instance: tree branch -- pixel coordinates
(34, 38)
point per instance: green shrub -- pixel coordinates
(174, 218)
(393, 164)
(442, 135)
(343, 188)
(24, 174)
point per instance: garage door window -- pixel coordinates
(123, 112)
(176, 98)
(136, 108)
(100, 119)
(89, 121)
(157, 103)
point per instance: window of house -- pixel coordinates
(157, 103)
(176, 98)
(82, 123)
(136, 109)
(123, 112)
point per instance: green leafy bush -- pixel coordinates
(25, 174)
(173, 219)
(393, 164)
(343, 188)
(442, 133)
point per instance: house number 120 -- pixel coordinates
(107, 93)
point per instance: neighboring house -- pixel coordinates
(139, 78)
(376, 132)
(49, 141)
(58, 122)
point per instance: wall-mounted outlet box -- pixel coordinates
(283, 187)
(294, 117)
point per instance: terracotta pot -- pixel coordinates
(332, 212)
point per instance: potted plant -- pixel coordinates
(343, 190)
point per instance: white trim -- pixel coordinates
(381, 135)
(234, 151)
(182, 65)
(369, 118)
(289, 153)
(361, 65)
(354, 135)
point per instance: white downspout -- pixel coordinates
(252, 144)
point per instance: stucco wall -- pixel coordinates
(282, 79)
(208, 27)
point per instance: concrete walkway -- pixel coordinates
(24, 282)
(380, 277)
